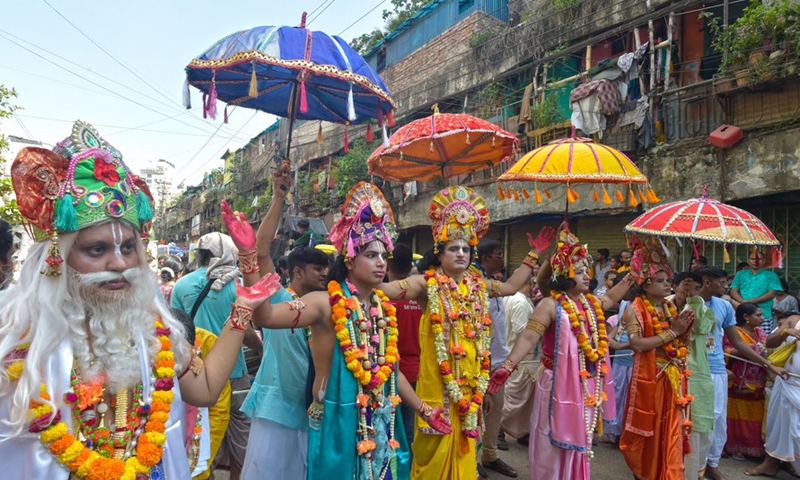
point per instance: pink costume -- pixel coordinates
(558, 444)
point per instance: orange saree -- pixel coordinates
(652, 439)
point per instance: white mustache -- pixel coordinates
(99, 278)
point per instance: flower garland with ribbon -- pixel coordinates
(82, 461)
(677, 347)
(468, 319)
(588, 354)
(369, 346)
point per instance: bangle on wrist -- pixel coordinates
(784, 332)
(531, 259)
(240, 317)
(424, 410)
(248, 261)
(509, 366)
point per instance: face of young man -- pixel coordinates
(108, 248)
(312, 277)
(455, 257)
(582, 279)
(625, 256)
(660, 286)
(755, 260)
(715, 286)
(369, 266)
(610, 280)
(615, 263)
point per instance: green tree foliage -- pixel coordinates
(352, 167)
(8, 205)
(401, 11)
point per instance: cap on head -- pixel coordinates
(366, 217)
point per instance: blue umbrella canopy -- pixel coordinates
(291, 72)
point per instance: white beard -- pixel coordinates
(114, 320)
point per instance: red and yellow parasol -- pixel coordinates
(442, 145)
(578, 160)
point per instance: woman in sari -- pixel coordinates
(746, 388)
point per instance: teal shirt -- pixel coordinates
(278, 393)
(752, 285)
(214, 310)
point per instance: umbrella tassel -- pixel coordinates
(205, 105)
(641, 195)
(346, 141)
(516, 195)
(508, 192)
(525, 193)
(547, 193)
(500, 193)
(725, 257)
(385, 137)
(319, 133)
(431, 148)
(303, 96)
(253, 92)
(212, 100)
(620, 198)
(632, 197)
(606, 196)
(390, 119)
(655, 197)
(468, 142)
(225, 114)
(351, 105)
(595, 196)
(370, 135)
(538, 194)
(187, 95)
(493, 137)
(572, 195)
(380, 117)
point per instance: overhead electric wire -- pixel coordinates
(321, 12)
(122, 128)
(361, 17)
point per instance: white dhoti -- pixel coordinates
(783, 415)
(275, 451)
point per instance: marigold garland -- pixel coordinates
(677, 347)
(85, 463)
(468, 317)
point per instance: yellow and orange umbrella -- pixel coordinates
(577, 160)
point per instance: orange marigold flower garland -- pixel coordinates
(592, 349)
(468, 320)
(368, 342)
(82, 461)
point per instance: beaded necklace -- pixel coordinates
(369, 345)
(592, 350)
(468, 320)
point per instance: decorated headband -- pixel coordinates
(568, 255)
(648, 259)
(80, 183)
(458, 213)
(366, 217)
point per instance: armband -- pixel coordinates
(240, 317)
(537, 326)
(495, 288)
(248, 261)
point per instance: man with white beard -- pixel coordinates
(90, 352)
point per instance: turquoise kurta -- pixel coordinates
(332, 453)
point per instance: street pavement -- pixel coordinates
(608, 464)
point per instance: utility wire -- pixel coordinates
(122, 128)
(321, 12)
(361, 17)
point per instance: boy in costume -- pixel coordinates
(575, 388)
(355, 429)
(94, 366)
(454, 333)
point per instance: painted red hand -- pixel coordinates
(239, 228)
(257, 294)
(499, 378)
(543, 240)
(438, 422)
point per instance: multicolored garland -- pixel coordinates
(468, 319)
(369, 346)
(594, 316)
(677, 347)
(86, 463)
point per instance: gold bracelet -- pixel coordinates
(240, 317)
(248, 261)
(634, 329)
(666, 336)
(531, 259)
(537, 326)
(425, 411)
(509, 366)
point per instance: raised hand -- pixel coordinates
(239, 228)
(543, 240)
(282, 180)
(499, 377)
(252, 297)
(438, 422)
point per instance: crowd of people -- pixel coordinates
(114, 369)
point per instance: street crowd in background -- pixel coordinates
(372, 364)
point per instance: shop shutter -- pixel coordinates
(602, 232)
(518, 246)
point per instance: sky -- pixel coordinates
(128, 79)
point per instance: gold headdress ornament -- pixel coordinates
(648, 259)
(569, 253)
(458, 213)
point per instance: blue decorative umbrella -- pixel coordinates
(291, 72)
